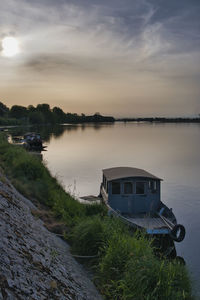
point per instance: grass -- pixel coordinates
(33, 179)
(4, 121)
(125, 267)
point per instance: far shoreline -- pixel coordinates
(159, 120)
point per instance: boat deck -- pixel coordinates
(148, 222)
(152, 223)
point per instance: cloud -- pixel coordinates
(118, 46)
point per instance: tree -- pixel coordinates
(36, 117)
(44, 108)
(18, 112)
(59, 114)
(3, 109)
(31, 108)
(46, 111)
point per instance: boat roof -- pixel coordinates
(124, 172)
(31, 133)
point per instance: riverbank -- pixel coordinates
(35, 263)
(125, 265)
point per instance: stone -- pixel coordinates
(35, 263)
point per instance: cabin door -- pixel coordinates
(140, 197)
(140, 204)
(128, 196)
(130, 202)
(136, 204)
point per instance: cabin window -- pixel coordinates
(140, 188)
(115, 188)
(153, 186)
(128, 188)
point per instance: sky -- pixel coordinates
(124, 58)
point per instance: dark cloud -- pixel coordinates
(130, 44)
(51, 63)
(169, 9)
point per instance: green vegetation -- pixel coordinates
(34, 180)
(43, 114)
(162, 120)
(9, 121)
(125, 264)
(126, 267)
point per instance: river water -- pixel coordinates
(76, 154)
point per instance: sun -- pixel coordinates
(10, 46)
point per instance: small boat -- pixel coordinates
(134, 195)
(33, 141)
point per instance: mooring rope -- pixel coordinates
(81, 256)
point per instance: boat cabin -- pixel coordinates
(32, 136)
(33, 141)
(131, 190)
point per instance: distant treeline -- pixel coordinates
(43, 114)
(161, 120)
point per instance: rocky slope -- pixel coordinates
(35, 264)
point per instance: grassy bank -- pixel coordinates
(124, 265)
(9, 122)
(33, 179)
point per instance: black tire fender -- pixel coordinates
(178, 233)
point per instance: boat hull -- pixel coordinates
(159, 222)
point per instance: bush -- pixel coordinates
(30, 168)
(127, 267)
(91, 235)
(95, 209)
(120, 249)
(149, 278)
(88, 237)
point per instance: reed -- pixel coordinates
(126, 267)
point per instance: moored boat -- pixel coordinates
(33, 141)
(134, 195)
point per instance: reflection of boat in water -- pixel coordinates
(33, 141)
(134, 195)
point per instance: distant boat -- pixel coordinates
(33, 141)
(134, 195)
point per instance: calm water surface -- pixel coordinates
(77, 154)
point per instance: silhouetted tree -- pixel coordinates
(47, 113)
(42, 114)
(18, 112)
(59, 114)
(3, 109)
(44, 108)
(31, 108)
(36, 117)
